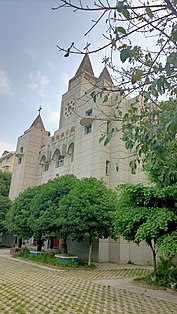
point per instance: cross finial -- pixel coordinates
(40, 108)
(86, 47)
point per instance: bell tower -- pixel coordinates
(26, 168)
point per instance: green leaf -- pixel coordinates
(126, 14)
(172, 58)
(94, 98)
(174, 35)
(120, 29)
(137, 76)
(149, 12)
(125, 54)
(120, 6)
(168, 124)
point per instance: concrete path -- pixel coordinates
(26, 288)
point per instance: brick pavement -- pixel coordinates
(25, 289)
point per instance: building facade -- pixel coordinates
(7, 161)
(87, 112)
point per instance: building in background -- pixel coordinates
(7, 161)
(87, 112)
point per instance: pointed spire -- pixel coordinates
(105, 76)
(85, 66)
(38, 123)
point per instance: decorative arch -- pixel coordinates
(44, 163)
(71, 151)
(56, 157)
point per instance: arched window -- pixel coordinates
(71, 151)
(44, 163)
(56, 157)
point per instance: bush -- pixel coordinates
(166, 274)
(23, 252)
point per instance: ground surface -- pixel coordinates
(26, 288)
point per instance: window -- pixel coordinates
(88, 128)
(89, 113)
(44, 163)
(107, 167)
(71, 151)
(46, 166)
(56, 157)
(61, 161)
(19, 160)
(21, 149)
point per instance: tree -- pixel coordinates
(5, 179)
(148, 74)
(85, 211)
(16, 219)
(143, 214)
(162, 167)
(45, 208)
(4, 207)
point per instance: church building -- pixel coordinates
(87, 112)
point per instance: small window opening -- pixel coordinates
(88, 128)
(88, 113)
(19, 160)
(107, 167)
(61, 161)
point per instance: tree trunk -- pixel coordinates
(64, 248)
(154, 259)
(90, 251)
(154, 255)
(20, 241)
(39, 245)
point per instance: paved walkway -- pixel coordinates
(27, 288)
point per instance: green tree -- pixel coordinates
(16, 219)
(146, 74)
(143, 214)
(5, 179)
(162, 167)
(85, 211)
(4, 207)
(45, 207)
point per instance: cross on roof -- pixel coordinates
(86, 47)
(40, 108)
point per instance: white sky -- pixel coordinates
(32, 70)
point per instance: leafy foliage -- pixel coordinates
(149, 75)
(147, 214)
(5, 179)
(166, 274)
(16, 220)
(85, 211)
(5, 204)
(45, 207)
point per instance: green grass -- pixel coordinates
(49, 259)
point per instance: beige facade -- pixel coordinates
(74, 148)
(7, 161)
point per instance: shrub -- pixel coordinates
(166, 274)
(23, 252)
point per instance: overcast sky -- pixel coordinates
(32, 70)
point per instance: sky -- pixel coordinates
(32, 70)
